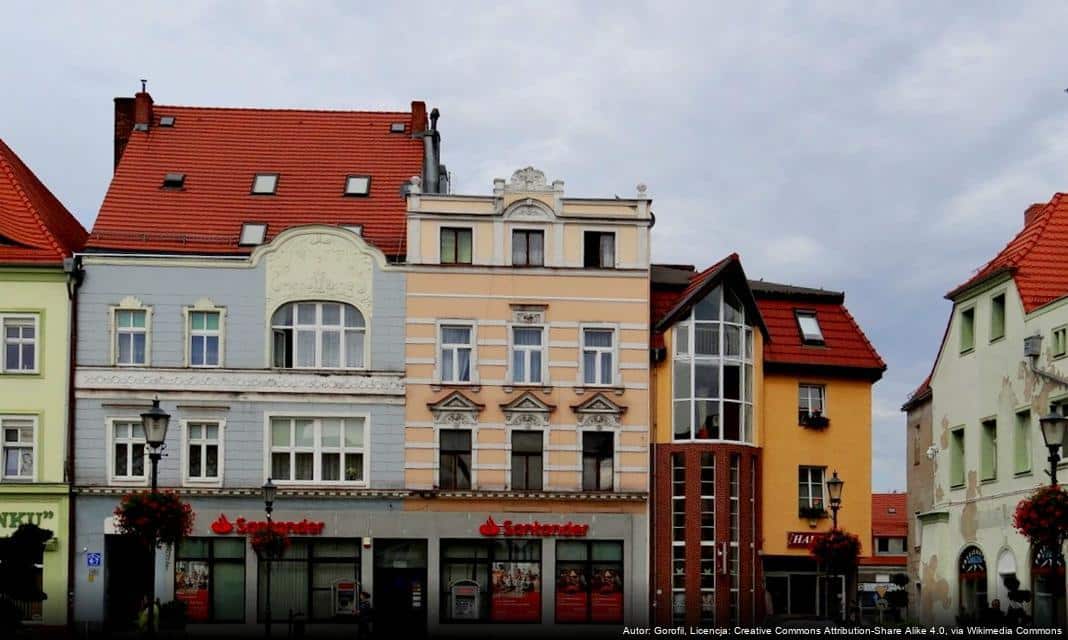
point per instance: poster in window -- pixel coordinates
(606, 595)
(191, 579)
(572, 587)
(516, 592)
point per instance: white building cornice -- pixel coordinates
(239, 381)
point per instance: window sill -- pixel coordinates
(1022, 474)
(473, 386)
(997, 339)
(989, 480)
(617, 389)
(28, 374)
(956, 487)
(1060, 356)
(967, 351)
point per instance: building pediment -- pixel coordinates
(598, 411)
(455, 409)
(528, 410)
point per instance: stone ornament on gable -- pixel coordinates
(528, 179)
(527, 411)
(455, 409)
(320, 265)
(598, 412)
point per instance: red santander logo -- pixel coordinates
(489, 528)
(222, 526)
(534, 529)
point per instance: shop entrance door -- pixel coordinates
(127, 580)
(400, 596)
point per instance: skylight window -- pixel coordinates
(174, 181)
(396, 127)
(252, 234)
(357, 185)
(166, 121)
(264, 184)
(810, 327)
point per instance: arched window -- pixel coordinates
(713, 371)
(318, 335)
(1047, 586)
(972, 567)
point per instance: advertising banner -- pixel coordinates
(572, 586)
(191, 579)
(516, 592)
(606, 595)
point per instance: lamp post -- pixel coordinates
(1053, 434)
(269, 492)
(834, 494)
(154, 424)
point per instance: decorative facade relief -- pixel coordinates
(455, 410)
(598, 412)
(243, 381)
(527, 411)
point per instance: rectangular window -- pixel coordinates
(809, 324)
(810, 487)
(890, 545)
(678, 498)
(527, 460)
(598, 449)
(491, 581)
(455, 245)
(528, 355)
(989, 450)
(599, 250)
(131, 336)
(455, 363)
(528, 248)
(1060, 341)
(20, 343)
(598, 354)
(209, 577)
(204, 451)
(589, 582)
(303, 579)
(454, 467)
(19, 447)
(810, 401)
(997, 317)
(322, 450)
(956, 458)
(128, 451)
(967, 329)
(204, 336)
(1022, 443)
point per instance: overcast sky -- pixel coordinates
(884, 149)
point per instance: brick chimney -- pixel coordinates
(142, 110)
(419, 122)
(1032, 213)
(124, 122)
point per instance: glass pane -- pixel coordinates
(526, 441)
(212, 356)
(331, 466)
(229, 548)
(280, 466)
(519, 248)
(535, 366)
(589, 367)
(138, 467)
(196, 351)
(137, 319)
(196, 320)
(120, 460)
(706, 380)
(732, 381)
(354, 349)
(748, 343)
(331, 432)
(211, 462)
(211, 321)
(331, 349)
(682, 419)
(463, 246)
(732, 341)
(748, 395)
(519, 370)
(305, 348)
(682, 339)
(570, 551)
(606, 367)
(732, 310)
(211, 431)
(536, 240)
(280, 432)
(455, 440)
(139, 348)
(306, 313)
(464, 369)
(448, 245)
(708, 308)
(607, 551)
(732, 421)
(608, 250)
(682, 379)
(528, 337)
(597, 338)
(28, 357)
(305, 466)
(354, 467)
(283, 317)
(353, 317)
(11, 355)
(194, 461)
(228, 592)
(331, 314)
(11, 462)
(706, 339)
(456, 335)
(304, 433)
(354, 432)
(706, 419)
(447, 372)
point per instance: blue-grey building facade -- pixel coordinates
(286, 364)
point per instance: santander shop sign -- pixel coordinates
(222, 526)
(535, 529)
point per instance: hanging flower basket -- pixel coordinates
(155, 519)
(837, 551)
(269, 543)
(1043, 516)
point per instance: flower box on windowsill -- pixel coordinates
(812, 513)
(814, 420)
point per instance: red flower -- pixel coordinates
(154, 519)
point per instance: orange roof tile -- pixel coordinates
(35, 227)
(888, 514)
(221, 149)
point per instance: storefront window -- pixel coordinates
(589, 582)
(209, 577)
(497, 581)
(305, 579)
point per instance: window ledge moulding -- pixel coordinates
(241, 380)
(257, 492)
(486, 494)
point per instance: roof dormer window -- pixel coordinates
(809, 324)
(174, 180)
(252, 234)
(264, 184)
(357, 185)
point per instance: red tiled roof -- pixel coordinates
(35, 227)
(845, 344)
(220, 150)
(1035, 257)
(884, 523)
(883, 561)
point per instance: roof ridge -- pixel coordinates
(6, 154)
(281, 109)
(863, 336)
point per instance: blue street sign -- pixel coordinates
(93, 559)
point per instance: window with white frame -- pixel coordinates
(598, 356)
(205, 335)
(528, 353)
(456, 346)
(810, 400)
(131, 336)
(20, 343)
(713, 371)
(127, 450)
(810, 487)
(203, 451)
(326, 450)
(19, 447)
(318, 335)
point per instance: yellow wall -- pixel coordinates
(844, 446)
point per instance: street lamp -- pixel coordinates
(1053, 433)
(154, 424)
(834, 492)
(269, 492)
